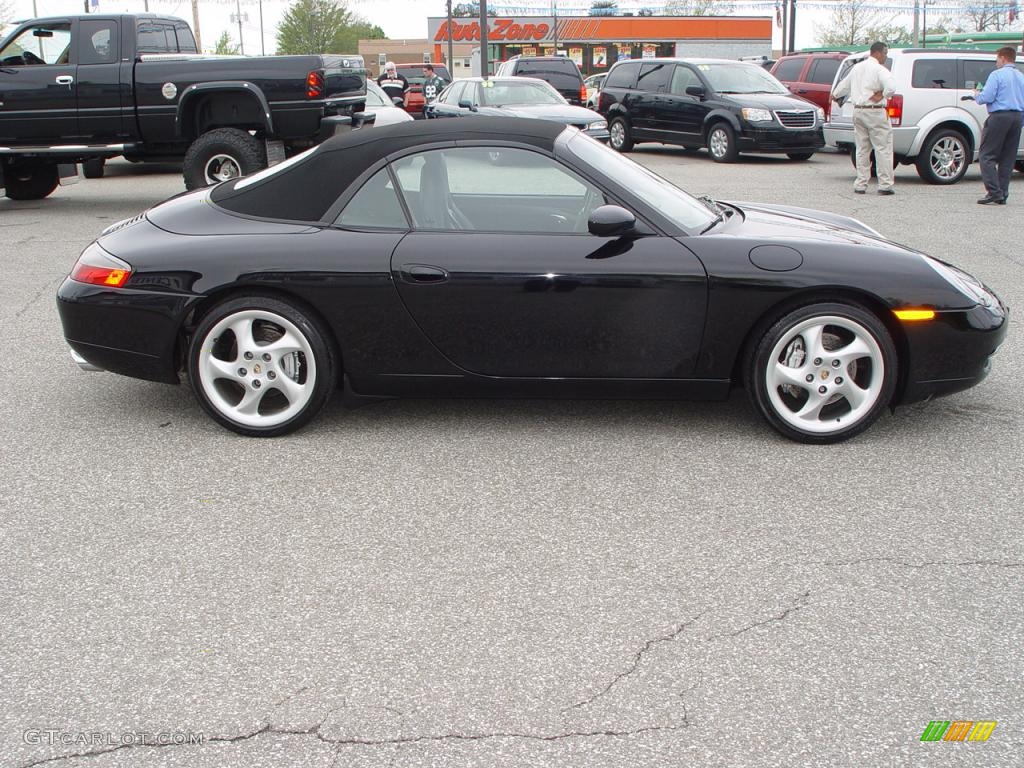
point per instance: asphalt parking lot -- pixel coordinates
(507, 583)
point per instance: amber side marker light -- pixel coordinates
(914, 315)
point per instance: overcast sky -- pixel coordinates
(398, 18)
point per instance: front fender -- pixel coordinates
(718, 115)
(190, 95)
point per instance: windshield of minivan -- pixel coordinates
(670, 201)
(740, 78)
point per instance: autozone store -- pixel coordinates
(595, 43)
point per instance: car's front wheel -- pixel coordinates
(823, 372)
(619, 135)
(722, 143)
(94, 167)
(944, 158)
(261, 366)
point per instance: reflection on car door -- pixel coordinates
(38, 92)
(679, 113)
(651, 84)
(502, 275)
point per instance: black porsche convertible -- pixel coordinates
(510, 257)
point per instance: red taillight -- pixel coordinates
(97, 267)
(583, 94)
(315, 85)
(894, 109)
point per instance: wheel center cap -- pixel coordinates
(824, 375)
(257, 369)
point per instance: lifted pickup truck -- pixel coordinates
(81, 89)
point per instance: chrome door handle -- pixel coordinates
(64, 80)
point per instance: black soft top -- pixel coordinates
(307, 189)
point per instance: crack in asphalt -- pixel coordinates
(637, 659)
(799, 603)
(924, 564)
(441, 737)
(48, 286)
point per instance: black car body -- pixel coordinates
(514, 97)
(559, 71)
(512, 257)
(102, 85)
(727, 106)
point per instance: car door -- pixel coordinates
(651, 85)
(789, 71)
(502, 275)
(38, 93)
(817, 86)
(102, 100)
(680, 112)
(447, 104)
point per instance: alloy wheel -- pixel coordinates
(947, 157)
(718, 142)
(222, 168)
(617, 133)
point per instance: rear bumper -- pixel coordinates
(774, 140)
(841, 135)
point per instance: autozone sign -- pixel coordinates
(499, 30)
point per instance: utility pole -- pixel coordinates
(554, 26)
(238, 16)
(917, 26)
(451, 55)
(792, 26)
(263, 42)
(485, 53)
(785, 27)
(195, 24)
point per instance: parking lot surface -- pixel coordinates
(507, 583)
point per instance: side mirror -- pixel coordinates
(611, 221)
(697, 91)
(467, 104)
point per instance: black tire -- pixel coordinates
(236, 146)
(825, 423)
(30, 180)
(874, 166)
(93, 168)
(1019, 165)
(324, 367)
(727, 151)
(620, 141)
(799, 156)
(931, 169)
(691, 149)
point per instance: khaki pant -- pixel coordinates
(873, 132)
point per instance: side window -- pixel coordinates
(186, 40)
(933, 73)
(153, 38)
(494, 189)
(823, 71)
(622, 76)
(976, 71)
(97, 42)
(789, 70)
(374, 206)
(39, 44)
(454, 94)
(682, 79)
(654, 78)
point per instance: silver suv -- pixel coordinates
(936, 124)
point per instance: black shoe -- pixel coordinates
(992, 200)
(887, 191)
(860, 191)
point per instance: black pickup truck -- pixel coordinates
(84, 88)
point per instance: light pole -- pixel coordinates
(485, 53)
(451, 55)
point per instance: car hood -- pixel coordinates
(561, 113)
(769, 101)
(764, 220)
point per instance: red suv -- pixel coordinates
(810, 75)
(414, 99)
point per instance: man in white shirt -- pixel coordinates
(868, 86)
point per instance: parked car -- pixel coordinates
(761, 61)
(502, 257)
(559, 71)
(83, 88)
(415, 99)
(810, 75)
(936, 125)
(724, 105)
(593, 85)
(384, 110)
(515, 97)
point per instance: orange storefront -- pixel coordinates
(595, 43)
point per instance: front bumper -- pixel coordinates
(776, 139)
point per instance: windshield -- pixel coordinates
(504, 93)
(669, 200)
(375, 96)
(740, 78)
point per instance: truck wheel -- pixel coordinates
(30, 181)
(221, 155)
(93, 169)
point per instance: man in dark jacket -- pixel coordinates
(392, 83)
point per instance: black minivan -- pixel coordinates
(560, 72)
(724, 105)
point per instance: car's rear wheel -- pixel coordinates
(722, 143)
(221, 155)
(1019, 165)
(800, 156)
(30, 180)
(823, 372)
(944, 158)
(261, 366)
(619, 135)
(93, 168)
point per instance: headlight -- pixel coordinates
(756, 115)
(821, 115)
(963, 282)
(598, 125)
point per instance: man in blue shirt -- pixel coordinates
(1004, 95)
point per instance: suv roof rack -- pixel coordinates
(944, 50)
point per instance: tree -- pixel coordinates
(5, 11)
(699, 8)
(854, 22)
(604, 8)
(224, 46)
(986, 15)
(322, 26)
(470, 10)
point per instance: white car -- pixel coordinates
(936, 124)
(378, 102)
